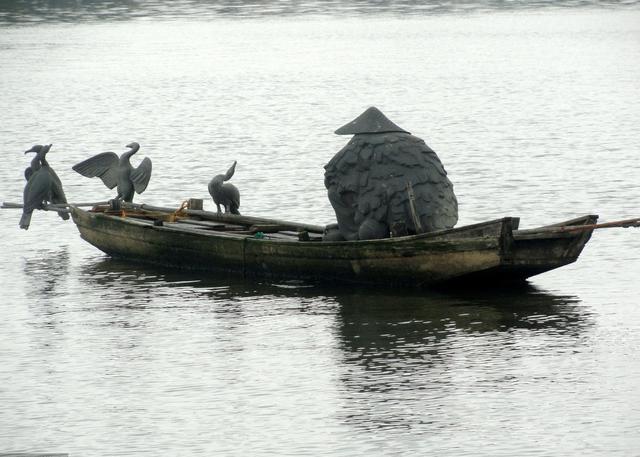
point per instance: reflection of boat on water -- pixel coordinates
(154, 286)
(365, 317)
(493, 251)
(364, 314)
(394, 353)
(425, 364)
(117, 276)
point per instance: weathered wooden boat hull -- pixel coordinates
(487, 251)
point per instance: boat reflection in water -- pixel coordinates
(361, 310)
(400, 360)
(436, 352)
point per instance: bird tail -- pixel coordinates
(60, 199)
(230, 171)
(25, 220)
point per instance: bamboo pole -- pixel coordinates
(624, 223)
(230, 218)
(52, 206)
(251, 220)
(207, 215)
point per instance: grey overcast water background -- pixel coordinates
(534, 109)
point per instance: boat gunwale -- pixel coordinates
(240, 236)
(546, 231)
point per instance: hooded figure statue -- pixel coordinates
(386, 182)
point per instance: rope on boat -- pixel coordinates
(180, 212)
(171, 217)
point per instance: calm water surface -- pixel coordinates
(534, 111)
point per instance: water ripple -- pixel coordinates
(532, 112)
(46, 11)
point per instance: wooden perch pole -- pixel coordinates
(624, 223)
(51, 207)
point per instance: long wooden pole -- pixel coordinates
(51, 206)
(251, 220)
(231, 218)
(624, 223)
(207, 215)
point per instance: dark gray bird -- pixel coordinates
(225, 194)
(43, 186)
(118, 172)
(35, 162)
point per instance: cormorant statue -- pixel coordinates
(387, 182)
(35, 162)
(225, 194)
(118, 172)
(43, 186)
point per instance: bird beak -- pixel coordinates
(30, 150)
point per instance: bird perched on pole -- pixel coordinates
(43, 186)
(225, 194)
(118, 172)
(35, 162)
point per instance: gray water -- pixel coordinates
(532, 107)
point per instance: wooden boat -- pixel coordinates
(494, 251)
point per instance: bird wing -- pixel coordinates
(104, 166)
(37, 190)
(235, 196)
(54, 176)
(141, 175)
(57, 192)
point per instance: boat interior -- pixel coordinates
(194, 223)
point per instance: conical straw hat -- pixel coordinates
(371, 121)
